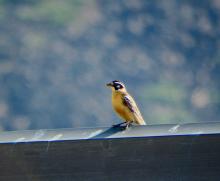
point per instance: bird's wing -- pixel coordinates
(130, 103)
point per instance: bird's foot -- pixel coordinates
(125, 126)
(129, 124)
(118, 125)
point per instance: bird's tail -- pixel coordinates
(139, 119)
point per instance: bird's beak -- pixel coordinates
(109, 84)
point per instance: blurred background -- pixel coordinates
(56, 57)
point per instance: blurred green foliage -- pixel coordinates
(162, 98)
(56, 57)
(166, 93)
(52, 11)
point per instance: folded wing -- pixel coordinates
(130, 103)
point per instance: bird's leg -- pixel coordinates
(128, 124)
(117, 125)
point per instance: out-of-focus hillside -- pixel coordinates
(56, 57)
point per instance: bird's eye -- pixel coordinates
(118, 86)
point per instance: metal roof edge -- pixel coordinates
(109, 132)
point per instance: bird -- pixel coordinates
(124, 105)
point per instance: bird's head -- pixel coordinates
(116, 85)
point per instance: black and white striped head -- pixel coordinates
(116, 85)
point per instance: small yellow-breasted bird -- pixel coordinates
(124, 105)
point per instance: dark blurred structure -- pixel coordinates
(160, 152)
(56, 56)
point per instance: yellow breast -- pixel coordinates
(120, 108)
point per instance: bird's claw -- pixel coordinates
(118, 125)
(126, 126)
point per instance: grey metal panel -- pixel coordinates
(153, 153)
(106, 132)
